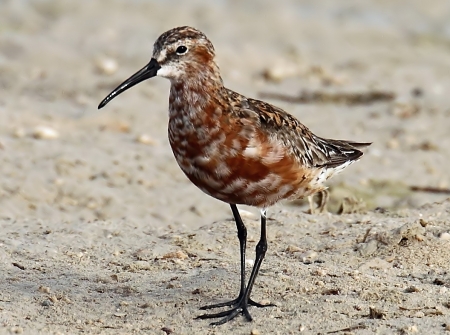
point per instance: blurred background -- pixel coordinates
(375, 71)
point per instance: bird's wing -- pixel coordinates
(311, 150)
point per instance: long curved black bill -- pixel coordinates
(147, 72)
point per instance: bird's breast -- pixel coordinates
(233, 163)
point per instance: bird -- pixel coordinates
(238, 150)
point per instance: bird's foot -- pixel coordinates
(239, 305)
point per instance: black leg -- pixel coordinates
(242, 236)
(240, 304)
(261, 249)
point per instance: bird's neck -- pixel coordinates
(195, 93)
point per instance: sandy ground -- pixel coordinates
(101, 233)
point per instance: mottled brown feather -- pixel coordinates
(236, 149)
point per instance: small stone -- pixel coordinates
(107, 65)
(92, 205)
(141, 265)
(292, 248)
(393, 143)
(44, 289)
(167, 330)
(255, 332)
(283, 68)
(177, 254)
(19, 132)
(47, 303)
(419, 237)
(423, 223)
(58, 181)
(412, 289)
(119, 126)
(445, 236)
(375, 313)
(66, 299)
(146, 305)
(145, 139)
(249, 262)
(309, 256)
(16, 330)
(45, 133)
(120, 315)
(319, 272)
(411, 329)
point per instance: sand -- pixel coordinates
(100, 231)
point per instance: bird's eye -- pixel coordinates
(181, 50)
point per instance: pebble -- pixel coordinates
(255, 332)
(145, 139)
(177, 254)
(19, 132)
(44, 289)
(445, 236)
(292, 248)
(107, 65)
(281, 70)
(141, 265)
(16, 330)
(174, 285)
(368, 248)
(412, 289)
(309, 256)
(167, 330)
(119, 126)
(45, 133)
(411, 329)
(92, 205)
(393, 143)
(319, 272)
(47, 303)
